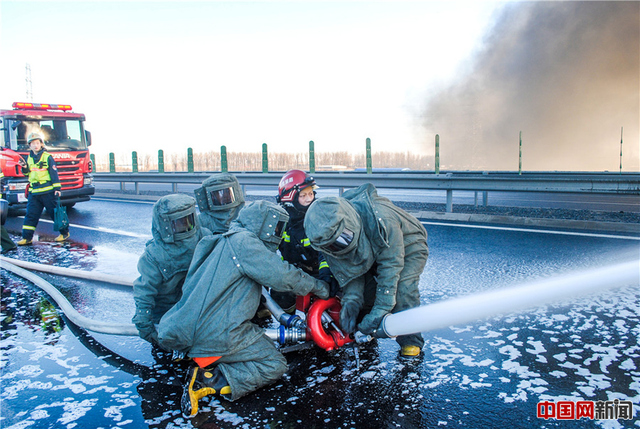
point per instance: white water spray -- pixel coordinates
(503, 301)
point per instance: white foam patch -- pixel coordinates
(115, 411)
(22, 425)
(628, 365)
(12, 391)
(77, 385)
(537, 347)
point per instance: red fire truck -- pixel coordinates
(64, 138)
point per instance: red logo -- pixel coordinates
(576, 410)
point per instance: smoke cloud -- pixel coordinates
(565, 74)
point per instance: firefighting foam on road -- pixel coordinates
(517, 359)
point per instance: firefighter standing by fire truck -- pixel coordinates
(44, 188)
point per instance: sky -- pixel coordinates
(173, 75)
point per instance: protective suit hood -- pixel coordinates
(326, 219)
(220, 199)
(169, 209)
(264, 219)
(167, 246)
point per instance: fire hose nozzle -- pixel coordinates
(361, 338)
(381, 332)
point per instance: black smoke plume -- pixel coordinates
(566, 74)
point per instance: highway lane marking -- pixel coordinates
(101, 229)
(541, 231)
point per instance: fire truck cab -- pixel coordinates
(64, 138)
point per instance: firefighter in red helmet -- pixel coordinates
(296, 192)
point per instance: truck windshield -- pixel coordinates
(59, 134)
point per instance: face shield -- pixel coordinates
(341, 244)
(273, 226)
(179, 225)
(183, 224)
(220, 197)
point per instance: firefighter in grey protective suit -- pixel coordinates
(377, 252)
(220, 199)
(164, 264)
(212, 322)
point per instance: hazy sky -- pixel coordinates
(176, 74)
(172, 75)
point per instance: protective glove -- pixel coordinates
(321, 290)
(348, 316)
(372, 321)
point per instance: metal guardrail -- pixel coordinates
(449, 181)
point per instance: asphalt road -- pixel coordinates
(487, 373)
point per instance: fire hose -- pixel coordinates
(293, 328)
(323, 315)
(64, 305)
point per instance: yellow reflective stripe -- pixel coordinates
(32, 228)
(286, 237)
(305, 242)
(41, 190)
(323, 264)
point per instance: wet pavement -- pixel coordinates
(491, 373)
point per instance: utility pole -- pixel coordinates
(27, 80)
(621, 129)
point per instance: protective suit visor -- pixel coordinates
(273, 226)
(218, 197)
(279, 229)
(341, 244)
(183, 224)
(222, 197)
(180, 225)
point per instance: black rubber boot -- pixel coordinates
(201, 382)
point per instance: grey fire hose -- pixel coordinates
(294, 323)
(51, 269)
(62, 302)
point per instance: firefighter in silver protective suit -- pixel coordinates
(377, 252)
(164, 264)
(220, 199)
(212, 322)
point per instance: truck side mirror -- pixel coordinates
(88, 137)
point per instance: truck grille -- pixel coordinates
(70, 175)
